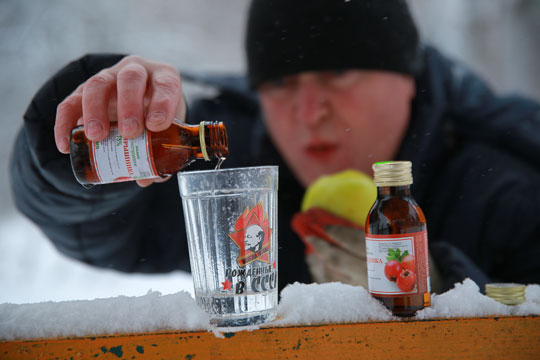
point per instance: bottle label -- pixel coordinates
(118, 159)
(397, 264)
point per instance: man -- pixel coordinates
(342, 84)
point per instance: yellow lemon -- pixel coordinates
(349, 194)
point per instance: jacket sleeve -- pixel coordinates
(483, 196)
(119, 226)
(502, 165)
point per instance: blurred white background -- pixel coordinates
(498, 38)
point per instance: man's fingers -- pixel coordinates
(95, 101)
(67, 114)
(166, 97)
(131, 87)
(148, 182)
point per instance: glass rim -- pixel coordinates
(221, 171)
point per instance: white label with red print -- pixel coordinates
(118, 159)
(397, 264)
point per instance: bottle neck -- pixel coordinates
(394, 191)
(213, 140)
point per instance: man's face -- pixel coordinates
(324, 122)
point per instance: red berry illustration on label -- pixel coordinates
(408, 263)
(406, 280)
(392, 269)
(400, 269)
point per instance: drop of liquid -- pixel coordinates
(220, 161)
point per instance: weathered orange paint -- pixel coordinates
(469, 338)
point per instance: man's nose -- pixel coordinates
(311, 100)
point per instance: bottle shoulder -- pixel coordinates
(396, 202)
(395, 215)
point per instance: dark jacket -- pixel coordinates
(476, 168)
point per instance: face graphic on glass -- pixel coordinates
(254, 238)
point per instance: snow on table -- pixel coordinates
(301, 304)
(122, 314)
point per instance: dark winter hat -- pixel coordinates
(284, 37)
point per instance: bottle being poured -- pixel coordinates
(151, 155)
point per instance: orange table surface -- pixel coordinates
(463, 338)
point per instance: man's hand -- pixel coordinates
(135, 92)
(141, 93)
(335, 247)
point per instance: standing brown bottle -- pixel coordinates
(151, 155)
(396, 242)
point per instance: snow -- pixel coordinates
(32, 270)
(122, 314)
(531, 306)
(301, 304)
(465, 300)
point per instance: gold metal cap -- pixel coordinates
(392, 173)
(506, 293)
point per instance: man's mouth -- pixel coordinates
(320, 150)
